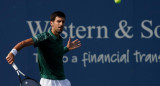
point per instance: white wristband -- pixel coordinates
(14, 52)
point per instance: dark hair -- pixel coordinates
(55, 14)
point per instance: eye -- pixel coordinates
(58, 21)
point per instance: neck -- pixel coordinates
(55, 33)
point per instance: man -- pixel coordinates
(50, 52)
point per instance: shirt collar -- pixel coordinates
(54, 37)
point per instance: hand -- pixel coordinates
(74, 44)
(10, 58)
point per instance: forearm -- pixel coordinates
(18, 47)
(23, 44)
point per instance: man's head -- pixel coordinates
(55, 14)
(57, 21)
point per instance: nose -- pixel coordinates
(61, 23)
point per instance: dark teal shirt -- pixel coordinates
(50, 55)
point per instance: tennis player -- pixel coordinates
(50, 52)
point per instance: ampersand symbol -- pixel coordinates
(122, 25)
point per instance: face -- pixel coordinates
(57, 25)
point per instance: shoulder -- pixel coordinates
(41, 36)
(44, 35)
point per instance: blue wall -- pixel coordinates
(120, 42)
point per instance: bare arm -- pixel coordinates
(18, 47)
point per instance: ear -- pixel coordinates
(51, 23)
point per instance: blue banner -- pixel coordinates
(120, 42)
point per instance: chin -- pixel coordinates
(59, 31)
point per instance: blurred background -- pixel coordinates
(120, 42)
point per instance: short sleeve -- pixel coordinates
(65, 50)
(39, 38)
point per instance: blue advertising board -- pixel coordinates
(120, 42)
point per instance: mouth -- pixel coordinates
(60, 28)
